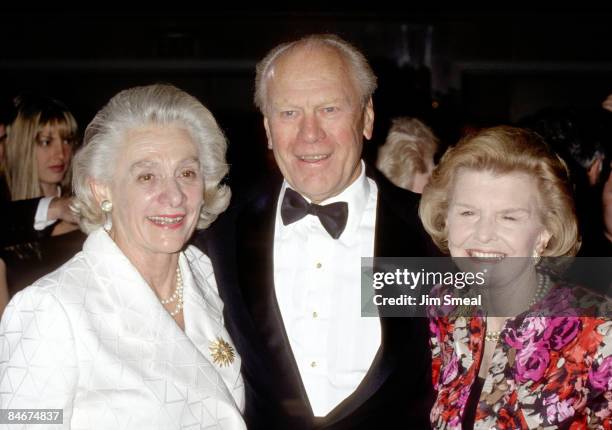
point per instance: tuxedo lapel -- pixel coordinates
(255, 250)
(397, 234)
(398, 229)
(387, 226)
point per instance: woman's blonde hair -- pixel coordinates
(33, 114)
(139, 107)
(409, 149)
(503, 150)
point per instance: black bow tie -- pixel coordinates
(333, 216)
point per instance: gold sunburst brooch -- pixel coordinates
(222, 352)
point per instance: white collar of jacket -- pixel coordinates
(139, 314)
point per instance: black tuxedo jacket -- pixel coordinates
(396, 391)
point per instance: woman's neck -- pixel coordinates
(157, 269)
(514, 297)
(160, 274)
(49, 190)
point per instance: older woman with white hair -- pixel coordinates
(129, 333)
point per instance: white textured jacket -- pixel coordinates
(93, 339)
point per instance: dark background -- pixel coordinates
(453, 67)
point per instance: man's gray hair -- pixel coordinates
(362, 74)
(140, 107)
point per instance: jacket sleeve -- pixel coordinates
(17, 221)
(38, 363)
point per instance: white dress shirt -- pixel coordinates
(317, 283)
(93, 339)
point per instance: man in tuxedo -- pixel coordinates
(287, 258)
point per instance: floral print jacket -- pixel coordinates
(546, 372)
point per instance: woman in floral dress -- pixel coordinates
(540, 355)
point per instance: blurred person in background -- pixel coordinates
(607, 103)
(18, 218)
(39, 230)
(582, 138)
(407, 156)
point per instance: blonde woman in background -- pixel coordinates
(39, 146)
(38, 152)
(407, 156)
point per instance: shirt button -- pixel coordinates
(315, 314)
(319, 265)
(313, 364)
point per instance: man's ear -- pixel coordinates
(368, 119)
(268, 134)
(100, 191)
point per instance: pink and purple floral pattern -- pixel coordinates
(545, 371)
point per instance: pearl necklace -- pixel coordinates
(543, 287)
(176, 295)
